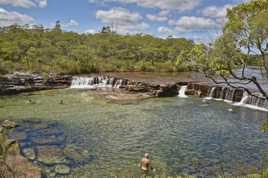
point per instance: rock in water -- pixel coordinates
(49, 140)
(62, 169)
(29, 153)
(75, 153)
(19, 136)
(50, 155)
(9, 124)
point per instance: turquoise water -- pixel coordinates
(183, 136)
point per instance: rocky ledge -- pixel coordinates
(24, 82)
(127, 86)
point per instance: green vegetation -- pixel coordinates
(40, 50)
(243, 43)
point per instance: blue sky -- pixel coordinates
(199, 20)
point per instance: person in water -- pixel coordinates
(145, 163)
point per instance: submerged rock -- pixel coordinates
(50, 155)
(62, 169)
(49, 140)
(76, 154)
(18, 135)
(29, 153)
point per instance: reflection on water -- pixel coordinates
(184, 136)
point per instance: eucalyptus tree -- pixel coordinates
(226, 60)
(248, 25)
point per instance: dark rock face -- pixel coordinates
(167, 91)
(20, 82)
(201, 90)
(217, 92)
(152, 89)
(238, 95)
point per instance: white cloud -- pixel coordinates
(163, 29)
(41, 3)
(192, 23)
(156, 18)
(180, 5)
(217, 12)
(162, 16)
(122, 20)
(70, 23)
(11, 17)
(25, 3)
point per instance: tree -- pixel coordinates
(248, 25)
(245, 33)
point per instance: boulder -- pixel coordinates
(9, 124)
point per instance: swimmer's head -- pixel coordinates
(146, 155)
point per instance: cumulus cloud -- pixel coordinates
(41, 3)
(162, 16)
(11, 17)
(163, 29)
(192, 23)
(70, 23)
(214, 11)
(122, 20)
(219, 13)
(180, 5)
(25, 3)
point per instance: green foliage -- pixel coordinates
(247, 24)
(40, 50)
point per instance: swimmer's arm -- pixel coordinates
(140, 164)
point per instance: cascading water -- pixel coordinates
(182, 92)
(211, 93)
(93, 83)
(253, 102)
(83, 83)
(229, 95)
(244, 99)
(223, 93)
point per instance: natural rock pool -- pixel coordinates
(70, 132)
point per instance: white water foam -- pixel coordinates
(210, 97)
(182, 92)
(243, 103)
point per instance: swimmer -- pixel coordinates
(145, 163)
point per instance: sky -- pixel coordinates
(198, 20)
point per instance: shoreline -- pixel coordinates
(132, 86)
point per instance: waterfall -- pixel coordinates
(223, 93)
(83, 83)
(229, 95)
(93, 83)
(253, 102)
(244, 100)
(182, 92)
(211, 93)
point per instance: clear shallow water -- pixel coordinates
(184, 136)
